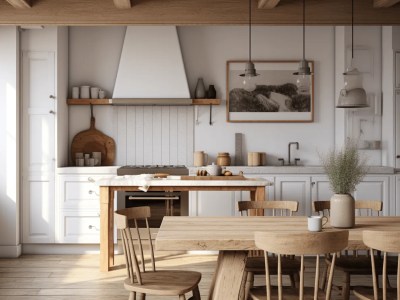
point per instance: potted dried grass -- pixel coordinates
(345, 169)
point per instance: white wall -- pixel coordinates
(206, 50)
(9, 149)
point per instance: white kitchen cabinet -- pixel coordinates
(295, 188)
(320, 188)
(38, 73)
(374, 187)
(396, 204)
(44, 132)
(78, 205)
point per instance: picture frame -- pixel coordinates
(276, 97)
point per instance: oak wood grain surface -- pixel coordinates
(237, 233)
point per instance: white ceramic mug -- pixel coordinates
(315, 223)
(102, 94)
(91, 162)
(94, 92)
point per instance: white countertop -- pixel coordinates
(88, 170)
(292, 170)
(128, 180)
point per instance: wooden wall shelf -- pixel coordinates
(108, 101)
(88, 101)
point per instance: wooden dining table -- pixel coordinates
(234, 236)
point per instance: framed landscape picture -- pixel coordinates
(276, 96)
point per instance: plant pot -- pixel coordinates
(342, 212)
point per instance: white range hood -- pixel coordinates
(151, 69)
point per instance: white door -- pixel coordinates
(376, 188)
(295, 188)
(38, 132)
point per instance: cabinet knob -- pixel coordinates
(90, 179)
(52, 97)
(312, 183)
(92, 227)
(52, 112)
(93, 192)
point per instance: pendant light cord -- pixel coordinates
(304, 29)
(352, 29)
(249, 30)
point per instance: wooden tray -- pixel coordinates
(93, 140)
(233, 177)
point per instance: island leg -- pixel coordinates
(106, 228)
(258, 195)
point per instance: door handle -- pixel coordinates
(52, 112)
(52, 97)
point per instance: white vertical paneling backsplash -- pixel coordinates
(154, 135)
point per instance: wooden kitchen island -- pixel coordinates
(129, 184)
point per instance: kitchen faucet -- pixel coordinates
(296, 159)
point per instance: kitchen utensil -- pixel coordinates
(223, 159)
(93, 140)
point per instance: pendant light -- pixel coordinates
(250, 70)
(353, 94)
(304, 72)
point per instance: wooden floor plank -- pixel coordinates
(70, 277)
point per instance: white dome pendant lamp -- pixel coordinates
(353, 94)
(250, 71)
(304, 72)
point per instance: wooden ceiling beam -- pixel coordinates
(20, 4)
(122, 4)
(385, 3)
(268, 4)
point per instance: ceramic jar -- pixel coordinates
(213, 169)
(342, 211)
(223, 159)
(211, 93)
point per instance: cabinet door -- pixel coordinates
(395, 207)
(38, 144)
(296, 188)
(320, 188)
(375, 188)
(208, 204)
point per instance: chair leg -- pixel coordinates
(324, 279)
(182, 297)
(249, 284)
(142, 296)
(292, 280)
(132, 296)
(243, 286)
(346, 286)
(196, 293)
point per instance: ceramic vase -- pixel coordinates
(212, 93)
(342, 211)
(200, 92)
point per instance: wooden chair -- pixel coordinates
(356, 264)
(298, 243)
(255, 263)
(385, 241)
(139, 280)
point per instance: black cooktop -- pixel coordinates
(152, 169)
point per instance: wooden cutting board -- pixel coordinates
(93, 140)
(233, 177)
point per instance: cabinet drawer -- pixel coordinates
(79, 192)
(79, 228)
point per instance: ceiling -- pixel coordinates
(196, 12)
